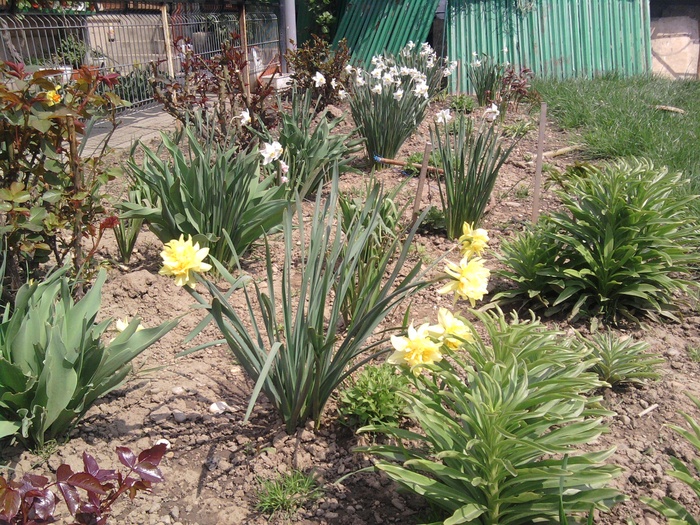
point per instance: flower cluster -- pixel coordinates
(468, 280)
(410, 72)
(469, 277)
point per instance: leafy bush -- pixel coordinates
(32, 501)
(311, 148)
(299, 352)
(621, 360)
(462, 104)
(620, 247)
(389, 103)
(471, 161)
(374, 397)
(53, 361)
(136, 85)
(210, 193)
(50, 190)
(316, 56)
(669, 508)
(190, 99)
(499, 432)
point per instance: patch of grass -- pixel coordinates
(621, 117)
(287, 492)
(693, 352)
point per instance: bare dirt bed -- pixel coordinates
(216, 461)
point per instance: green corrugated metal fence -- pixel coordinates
(373, 27)
(557, 38)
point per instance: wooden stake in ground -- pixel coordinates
(538, 165)
(421, 180)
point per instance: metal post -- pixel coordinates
(168, 40)
(244, 43)
(288, 27)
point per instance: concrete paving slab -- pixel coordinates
(144, 124)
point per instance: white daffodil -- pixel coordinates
(388, 79)
(443, 117)
(360, 80)
(476, 63)
(398, 94)
(342, 94)
(334, 83)
(421, 90)
(491, 113)
(377, 88)
(271, 152)
(245, 117)
(319, 79)
(377, 73)
(284, 167)
(348, 69)
(410, 45)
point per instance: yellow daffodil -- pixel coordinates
(415, 349)
(451, 329)
(121, 324)
(182, 259)
(473, 241)
(469, 279)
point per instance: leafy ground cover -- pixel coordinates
(217, 464)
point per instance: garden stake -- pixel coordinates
(421, 180)
(538, 165)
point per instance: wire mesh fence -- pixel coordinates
(130, 44)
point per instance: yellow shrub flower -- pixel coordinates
(473, 241)
(451, 329)
(415, 349)
(469, 279)
(53, 96)
(182, 259)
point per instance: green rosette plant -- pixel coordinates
(500, 424)
(621, 246)
(54, 363)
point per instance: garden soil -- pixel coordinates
(216, 462)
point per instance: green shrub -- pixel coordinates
(621, 246)
(316, 56)
(622, 360)
(209, 192)
(462, 104)
(669, 508)
(293, 342)
(374, 397)
(500, 432)
(471, 160)
(126, 232)
(53, 361)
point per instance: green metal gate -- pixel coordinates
(555, 38)
(373, 27)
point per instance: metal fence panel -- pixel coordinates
(373, 27)
(557, 38)
(130, 43)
